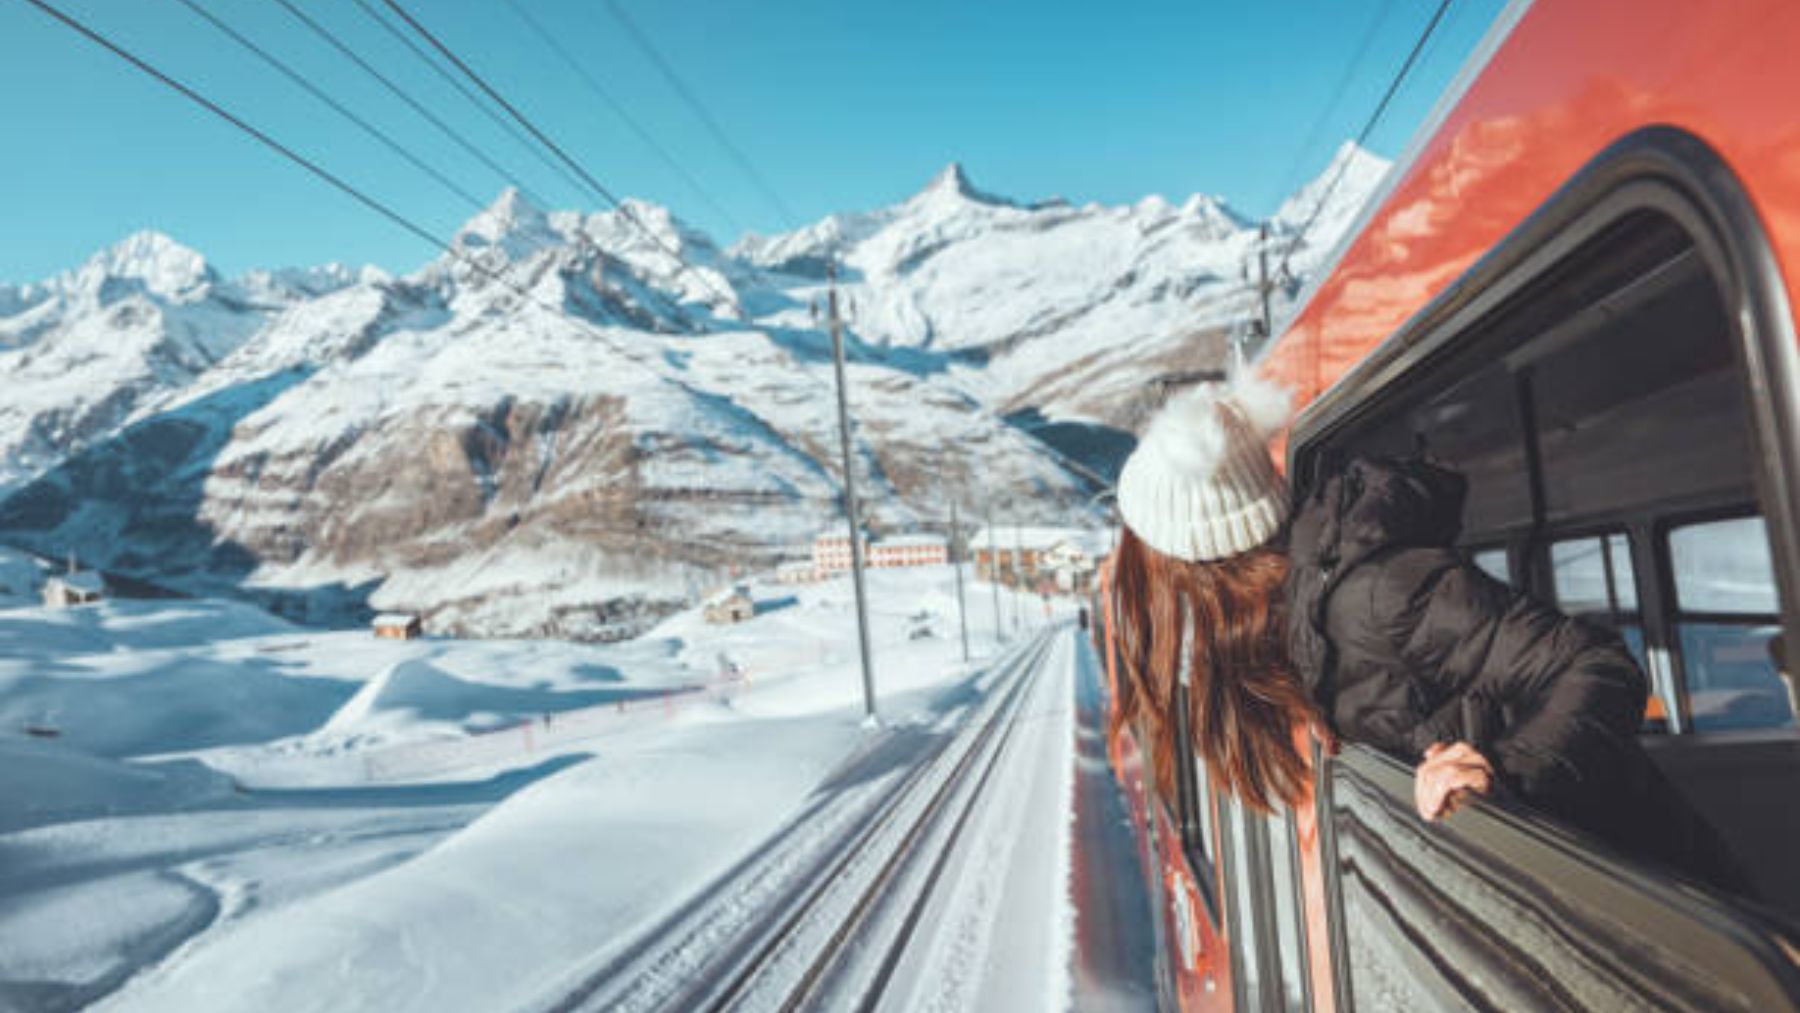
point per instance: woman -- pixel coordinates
(1364, 622)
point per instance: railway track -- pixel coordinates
(823, 911)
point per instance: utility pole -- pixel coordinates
(994, 575)
(1019, 573)
(962, 609)
(852, 510)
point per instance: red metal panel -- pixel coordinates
(1574, 76)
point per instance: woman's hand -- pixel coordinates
(1447, 777)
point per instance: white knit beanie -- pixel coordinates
(1200, 484)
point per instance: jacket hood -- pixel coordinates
(1360, 509)
(1373, 504)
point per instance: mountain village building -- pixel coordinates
(1026, 556)
(909, 550)
(732, 605)
(398, 626)
(798, 571)
(831, 552)
(84, 587)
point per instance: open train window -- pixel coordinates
(1603, 399)
(1619, 381)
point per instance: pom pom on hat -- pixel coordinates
(1200, 485)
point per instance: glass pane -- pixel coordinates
(1209, 839)
(1243, 934)
(1633, 635)
(1732, 677)
(1288, 911)
(1593, 575)
(1493, 563)
(1724, 566)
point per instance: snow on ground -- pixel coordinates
(209, 828)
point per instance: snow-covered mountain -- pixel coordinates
(562, 425)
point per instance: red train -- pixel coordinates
(1577, 289)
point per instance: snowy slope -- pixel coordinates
(1060, 309)
(204, 833)
(561, 427)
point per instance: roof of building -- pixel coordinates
(395, 619)
(86, 581)
(1006, 538)
(725, 595)
(912, 542)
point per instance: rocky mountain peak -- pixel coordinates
(153, 261)
(952, 182)
(1337, 192)
(512, 224)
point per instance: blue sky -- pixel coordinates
(840, 104)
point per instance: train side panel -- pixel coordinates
(1571, 78)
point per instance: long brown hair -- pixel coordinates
(1244, 697)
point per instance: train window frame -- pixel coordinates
(1615, 617)
(1194, 815)
(1661, 169)
(1679, 615)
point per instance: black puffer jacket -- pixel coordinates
(1404, 643)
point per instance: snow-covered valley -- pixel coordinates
(216, 809)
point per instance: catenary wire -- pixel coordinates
(209, 105)
(337, 182)
(473, 99)
(413, 103)
(600, 188)
(316, 92)
(1291, 179)
(687, 95)
(618, 108)
(1368, 127)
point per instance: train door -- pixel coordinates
(1617, 382)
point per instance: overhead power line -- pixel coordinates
(338, 107)
(1292, 178)
(400, 93)
(598, 187)
(648, 362)
(643, 134)
(1368, 127)
(349, 189)
(687, 95)
(217, 110)
(473, 99)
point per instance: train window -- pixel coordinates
(1592, 579)
(1493, 563)
(1727, 621)
(1289, 910)
(1724, 566)
(1247, 922)
(1208, 844)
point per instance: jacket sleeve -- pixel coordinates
(1572, 695)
